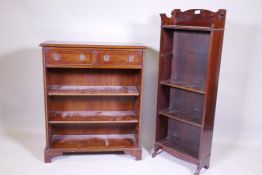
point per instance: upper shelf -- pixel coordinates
(193, 28)
(193, 87)
(61, 90)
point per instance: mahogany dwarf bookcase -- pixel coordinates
(190, 54)
(93, 96)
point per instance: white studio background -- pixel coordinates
(25, 24)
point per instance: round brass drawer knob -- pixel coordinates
(56, 57)
(131, 58)
(106, 58)
(82, 57)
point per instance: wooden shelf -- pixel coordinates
(182, 117)
(178, 148)
(79, 117)
(96, 142)
(57, 90)
(193, 87)
(192, 28)
(81, 66)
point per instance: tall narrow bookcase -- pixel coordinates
(190, 54)
(93, 94)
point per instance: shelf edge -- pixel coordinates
(178, 119)
(183, 88)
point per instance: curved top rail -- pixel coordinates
(195, 17)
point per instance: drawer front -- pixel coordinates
(120, 57)
(76, 57)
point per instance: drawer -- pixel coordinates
(120, 57)
(74, 57)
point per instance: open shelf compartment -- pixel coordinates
(180, 138)
(92, 109)
(94, 135)
(173, 144)
(183, 106)
(95, 142)
(185, 60)
(93, 82)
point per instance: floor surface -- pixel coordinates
(22, 153)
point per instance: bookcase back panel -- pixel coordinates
(186, 135)
(190, 56)
(92, 77)
(92, 103)
(85, 129)
(188, 104)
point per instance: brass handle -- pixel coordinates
(56, 57)
(106, 58)
(131, 58)
(82, 57)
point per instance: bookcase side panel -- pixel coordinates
(165, 62)
(215, 50)
(138, 103)
(46, 100)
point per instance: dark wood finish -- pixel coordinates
(93, 95)
(190, 54)
(194, 87)
(57, 117)
(194, 28)
(95, 66)
(181, 116)
(92, 45)
(120, 57)
(58, 90)
(69, 56)
(100, 142)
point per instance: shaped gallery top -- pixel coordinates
(194, 19)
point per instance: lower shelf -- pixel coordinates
(177, 148)
(63, 117)
(182, 117)
(98, 142)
